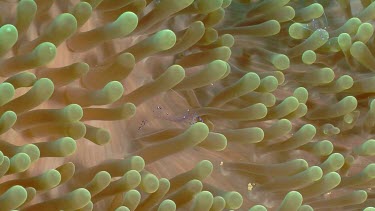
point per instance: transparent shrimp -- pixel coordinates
(320, 24)
(143, 124)
(188, 116)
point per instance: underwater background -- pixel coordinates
(203, 105)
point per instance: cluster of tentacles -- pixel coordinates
(203, 105)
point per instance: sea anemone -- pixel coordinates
(203, 105)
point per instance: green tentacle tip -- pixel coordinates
(308, 57)
(268, 84)
(44, 53)
(297, 31)
(7, 120)
(65, 146)
(198, 130)
(101, 180)
(82, 12)
(13, 198)
(167, 205)
(360, 196)
(292, 201)
(132, 199)
(137, 163)
(19, 163)
(103, 176)
(45, 86)
(316, 9)
(334, 162)
(258, 208)
(122, 208)
(345, 82)
(365, 31)
(126, 23)
(7, 92)
(113, 91)
(81, 196)
(323, 148)
(301, 94)
(361, 52)
(218, 203)
(133, 178)
(31, 150)
(203, 169)
(23, 79)
(370, 170)
(150, 183)
(26, 10)
(332, 178)
(271, 27)
(48, 180)
(73, 112)
(98, 136)
(8, 37)
(345, 41)
(233, 200)
(166, 39)
(62, 27)
(202, 201)
(305, 208)
(366, 149)
(280, 61)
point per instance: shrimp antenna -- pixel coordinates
(324, 15)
